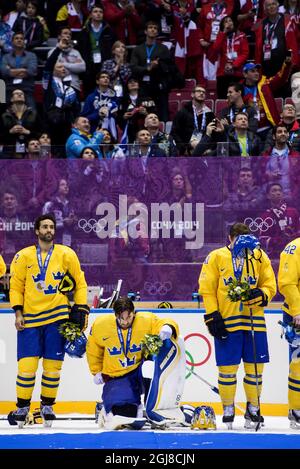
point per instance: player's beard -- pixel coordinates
(46, 238)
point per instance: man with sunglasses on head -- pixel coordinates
(114, 354)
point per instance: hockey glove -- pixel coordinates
(98, 379)
(256, 298)
(79, 315)
(215, 325)
(67, 284)
(165, 332)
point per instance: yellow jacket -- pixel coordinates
(289, 277)
(104, 351)
(216, 273)
(44, 306)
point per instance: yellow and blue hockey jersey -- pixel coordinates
(104, 351)
(289, 277)
(2, 266)
(45, 305)
(216, 274)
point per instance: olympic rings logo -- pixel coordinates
(190, 360)
(259, 224)
(91, 225)
(157, 288)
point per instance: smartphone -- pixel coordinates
(289, 53)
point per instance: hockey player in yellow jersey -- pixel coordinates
(289, 287)
(114, 356)
(2, 266)
(41, 276)
(229, 322)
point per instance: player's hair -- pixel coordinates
(238, 229)
(46, 216)
(123, 304)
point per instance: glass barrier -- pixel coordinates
(149, 221)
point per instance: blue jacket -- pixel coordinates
(78, 141)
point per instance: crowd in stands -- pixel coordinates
(117, 61)
(95, 80)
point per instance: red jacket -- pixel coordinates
(222, 47)
(204, 27)
(290, 38)
(248, 23)
(120, 22)
(266, 87)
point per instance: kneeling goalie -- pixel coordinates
(115, 358)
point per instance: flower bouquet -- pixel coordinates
(70, 331)
(151, 345)
(238, 290)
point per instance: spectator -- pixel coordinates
(33, 148)
(18, 123)
(291, 8)
(124, 19)
(158, 138)
(159, 11)
(288, 118)
(19, 68)
(86, 183)
(64, 213)
(182, 26)
(241, 142)
(231, 51)
(95, 43)
(13, 15)
(73, 15)
(45, 145)
(30, 25)
(279, 167)
(236, 105)
(61, 104)
(200, 40)
(280, 222)
(69, 57)
(191, 121)
(109, 149)
(14, 222)
(81, 138)
(133, 109)
(258, 91)
(151, 65)
(247, 14)
(124, 249)
(101, 106)
(118, 68)
(244, 200)
(5, 37)
(295, 85)
(144, 149)
(275, 35)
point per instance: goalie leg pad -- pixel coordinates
(123, 391)
(166, 388)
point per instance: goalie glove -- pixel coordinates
(256, 297)
(79, 315)
(215, 324)
(67, 284)
(165, 332)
